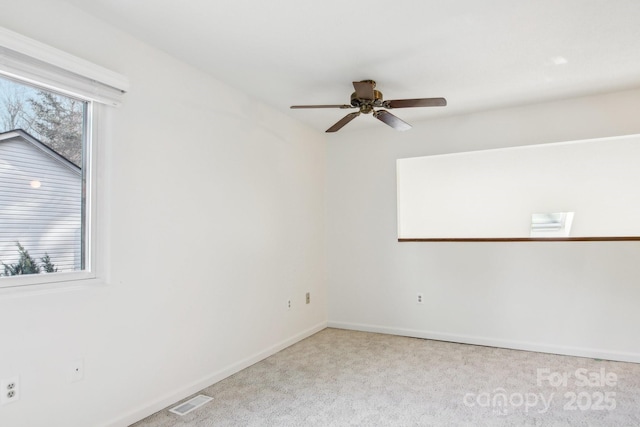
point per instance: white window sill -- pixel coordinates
(65, 283)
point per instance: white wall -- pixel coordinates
(212, 213)
(570, 297)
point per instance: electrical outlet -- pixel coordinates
(76, 370)
(9, 390)
(308, 298)
(288, 304)
(420, 298)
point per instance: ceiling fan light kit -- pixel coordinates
(366, 99)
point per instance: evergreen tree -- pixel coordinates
(25, 265)
(47, 265)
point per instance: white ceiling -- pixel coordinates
(478, 54)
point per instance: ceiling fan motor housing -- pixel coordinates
(366, 105)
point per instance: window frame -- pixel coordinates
(89, 223)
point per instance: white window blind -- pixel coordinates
(35, 62)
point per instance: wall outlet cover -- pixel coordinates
(9, 390)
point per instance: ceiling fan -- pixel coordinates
(366, 98)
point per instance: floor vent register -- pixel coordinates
(191, 404)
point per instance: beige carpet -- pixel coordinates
(343, 378)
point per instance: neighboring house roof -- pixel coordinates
(20, 133)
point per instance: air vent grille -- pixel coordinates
(191, 404)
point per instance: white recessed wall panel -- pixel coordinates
(493, 193)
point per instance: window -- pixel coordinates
(551, 224)
(48, 101)
(43, 141)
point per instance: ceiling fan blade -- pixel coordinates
(322, 106)
(364, 90)
(393, 121)
(346, 119)
(419, 102)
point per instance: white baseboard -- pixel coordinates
(173, 397)
(592, 353)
